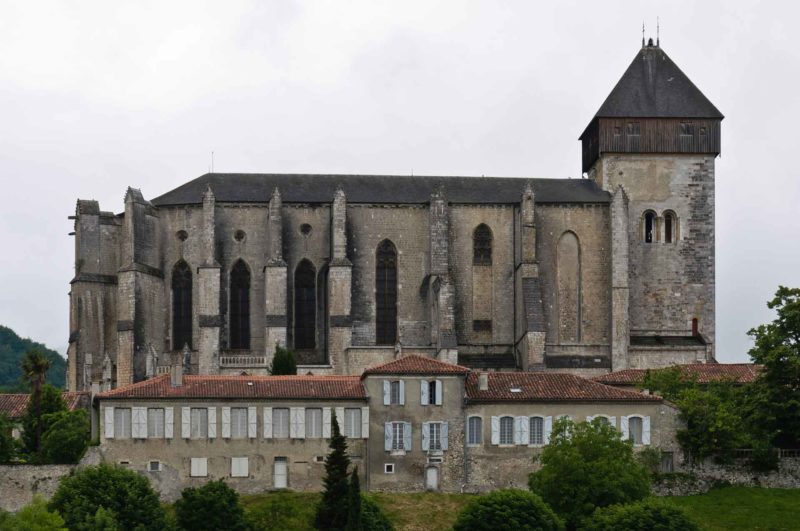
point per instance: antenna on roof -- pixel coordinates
(643, 34)
(212, 162)
(658, 31)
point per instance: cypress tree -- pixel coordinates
(354, 503)
(283, 363)
(332, 510)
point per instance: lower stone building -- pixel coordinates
(411, 424)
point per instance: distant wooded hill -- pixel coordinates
(12, 350)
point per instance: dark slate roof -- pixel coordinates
(389, 189)
(654, 87)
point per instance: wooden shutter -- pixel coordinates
(423, 393)
(365, 423)
(252, 422)
(186, 422)
(387, 392)
(646, 431)
(268, 423)
(168, 422)
(326, 423)
(623, 427)
(406, 435)
(402, 392)
(548, 429)
(495, 430)
(108, 422)
(226, 423)
(426, 440)
(212, 422)
(439, 387)
(387, 436)
(445, 431)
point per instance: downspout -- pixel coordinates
(466, 438)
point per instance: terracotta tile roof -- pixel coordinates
(547, 386)
(415, 364)
(705, 373)
(291, 387)
(14, 405)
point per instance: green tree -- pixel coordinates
(34, 370)
(774, 398)
(34, 422)
(213, 506)
(103, 520)
(7, 445)
(713, 419)
(650, 514)
(372, 516)
(124, 492)
(332, 510)
(283, 363)
(586, 466)
(34, 517)
(354, 503)
(66, 438)
(669, 382)
(509, 509)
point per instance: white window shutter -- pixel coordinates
(406, 435)
(252, 422)
(340, 419)
(423, 393)
(613, 421)
(439, 392)
(387, 391)
(140, 422)
(186, 422)
(495, 430)
(268, 423)
(387, 436)
(108, 422)
(548, 429)
(365, 422)
(169, 421)
(326, 423)
(623, 427)
(426, 444)
(226, 422)
(402, 392)
(293, 423)
(524, 430)
(445, 431)
(646, 431)
(301, 423)
(212, 422)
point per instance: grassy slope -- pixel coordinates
(729, 509)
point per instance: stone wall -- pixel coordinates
(20, 483)
(703, 477)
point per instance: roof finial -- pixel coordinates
(658, 31)
(643, 34)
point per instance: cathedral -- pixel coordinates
(611, 271)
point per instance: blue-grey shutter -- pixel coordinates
(495, 430)
(423, 393)
(439, 387)
(623, 427)
(426, 441)
(407, 436)
(646, 431)
(548, 429)
(445, 431)
(387, 391)
(387, 436)
(402, 393)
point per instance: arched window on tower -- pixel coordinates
(239, 310)
(386, 294)
(482, 245)
(305, 306)
(670, 227)
(649, 226)
(181, 306)
(568, 284)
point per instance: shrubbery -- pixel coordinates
(510, 509)
(213, 506)
(650, 515)
(66, 438)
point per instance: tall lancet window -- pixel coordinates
(181, 305)
(386, 294)
(482, 245)
(239, 310)
(569, 288)
(305, 306)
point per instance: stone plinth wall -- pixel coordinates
(20, 483)
(701, 478)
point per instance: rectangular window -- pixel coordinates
(395, 393)
(536, 431)
(352, 422)
(397, 436)
(280, 423)
(482, 325)
(122, 422)
(507, 430)
(155, 423)
(666, 465)
(432, 398)
(475, 430)
(314, 423)
(154, 466)
(435, 435)
(634, 129)
(388, 468)
(635, 429)
(687, 129)
(239, 467)
(238, 423)
(199, 467)
(199, 419)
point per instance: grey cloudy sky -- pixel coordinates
(96, 96)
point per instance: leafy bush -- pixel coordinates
(586, 466)
(511, 509)
(51, 401)
(8, 447)
(33, 517)
(66, 439)
(283, 363)
(650, 458)
(127, 494)
(372, 516)
(213, 506)
(650, 514)
(713, 422)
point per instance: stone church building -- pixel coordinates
(611, 271)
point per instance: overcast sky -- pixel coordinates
(98, 96)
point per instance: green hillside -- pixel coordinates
(12, 350)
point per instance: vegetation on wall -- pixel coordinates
(12, 352)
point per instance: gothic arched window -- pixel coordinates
(181, 306)
(239, 311)
(482, 245)
(305, 306)
(670, 227)
(386, 294)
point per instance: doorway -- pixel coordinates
(280, 473)
(432, 478)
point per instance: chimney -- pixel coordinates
(483, 381)
(176, 375)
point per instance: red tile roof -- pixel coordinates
(705, 373)
(14, 405)
(291, 387)
(414, 364)
(547, 386)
